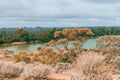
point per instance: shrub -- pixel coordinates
(21, 64)
(60, 67)
(22, 56)
(108, 41)
(68, 57)
(118, 63)
(9, 69)
(74, 33)
(90, 66)
(4, 51)
(46, 56)
(94, 67)
(77, 44)
(74, 74)
(111, 53)
(36, 71)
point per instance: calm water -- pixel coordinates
(90, 43)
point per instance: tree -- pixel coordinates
(74, 33)
(21, 35)
(101, 31)
(79, 34)
(3, 34)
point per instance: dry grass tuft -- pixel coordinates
(91, 67)
(9, 69)
(36, 71)
(61, 67)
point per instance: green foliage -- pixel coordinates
(101, 31)
(21, 35)
(45, 35)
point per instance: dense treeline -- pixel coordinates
(100, 31)
(46, 35)
(21, 35)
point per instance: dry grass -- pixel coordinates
(36, 71)
(21, 70)
(61, 67)
(91, 66)
(9, 69)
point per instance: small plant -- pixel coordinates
(61, 67)
(22, 57)
(46, 56)
(77, 44)
(118, 63)
(64, 42)
(9, 69)
(37, 71)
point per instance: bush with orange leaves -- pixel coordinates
(57, 33)
(74, 33)
(79, 34)
(108, 41)
(51, 43)
(64, 42)
(22, 56)
(49, 56)
(46, 56)
(77, 44)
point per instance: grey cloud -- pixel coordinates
(103, 1)
(58, 12)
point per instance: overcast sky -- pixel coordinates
(57, 13)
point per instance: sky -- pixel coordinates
(59, 13)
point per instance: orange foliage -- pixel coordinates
(107, 41)
(22, 57)
(73, 33)
(51, 43)
(47, 56)
(57, 33)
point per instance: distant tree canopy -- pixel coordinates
(45, 35)
(21, 35)
(101, 31)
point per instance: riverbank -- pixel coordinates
(20, 43)
(14, 43)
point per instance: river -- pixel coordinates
(89, 44)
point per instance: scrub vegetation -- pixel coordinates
(75, 63)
